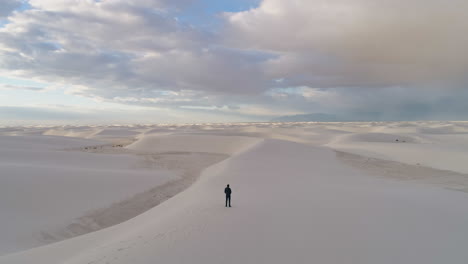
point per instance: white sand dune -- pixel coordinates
(428, 150)
(43, 187)
(192, 143)
(75, 132)
(294, 200)
(379, 138)
(320, 211)
(112, 134)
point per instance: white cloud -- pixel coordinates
(122, 49)
(20, 87)
(364, 56)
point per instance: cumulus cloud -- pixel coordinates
(376, 58)
(122, 49)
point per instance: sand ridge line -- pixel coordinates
(405, 172)
(189, 165)
(116, 147)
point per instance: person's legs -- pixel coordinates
(226, 200)
(229, 198)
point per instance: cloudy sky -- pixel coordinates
(123, 61)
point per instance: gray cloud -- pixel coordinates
(358, 43)
(383, 104)
(375, 59)
(39, 113)
(7, 6)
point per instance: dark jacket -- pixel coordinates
(227, 191)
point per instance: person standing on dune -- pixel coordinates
(228, 192)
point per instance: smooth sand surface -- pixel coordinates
(302, 193)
